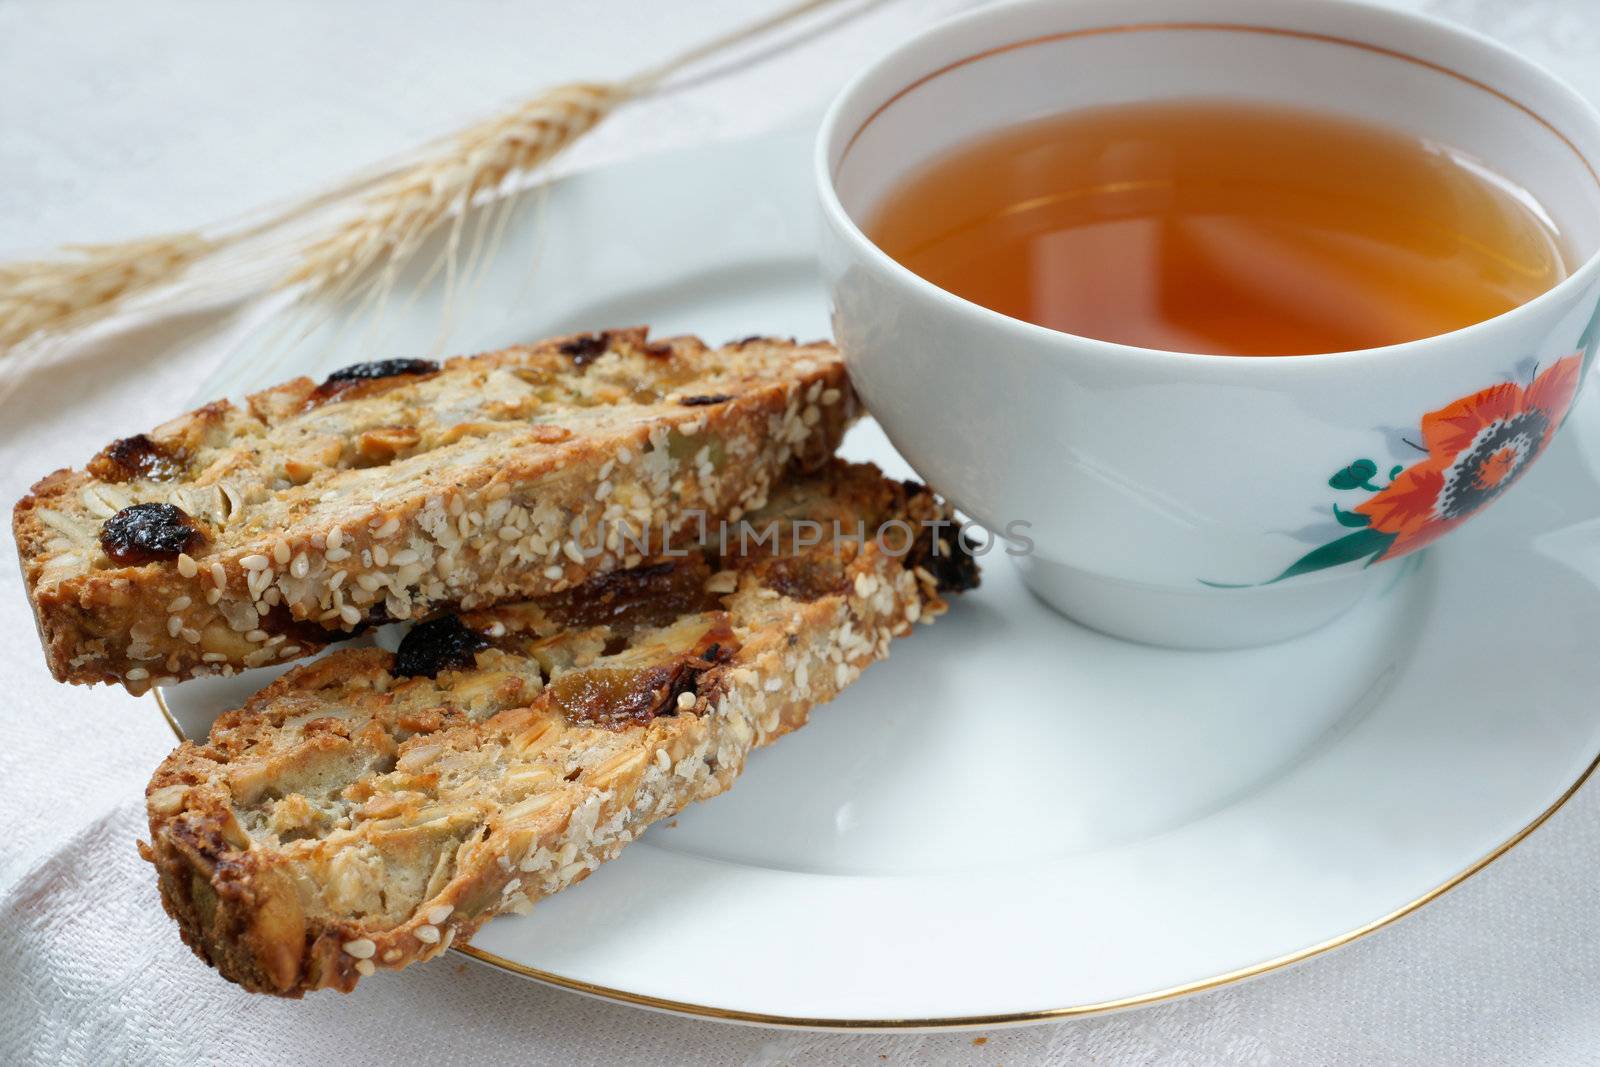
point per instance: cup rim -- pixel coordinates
(1580, 276)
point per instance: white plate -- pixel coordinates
(1015, 818)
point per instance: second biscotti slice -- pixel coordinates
(237, 536)
(365, 810)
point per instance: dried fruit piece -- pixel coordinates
(617, 697)
(945, 553)
(138, 456)
(144, 533)
(347, 379)
(442, 644)
(586, 348)
(382, 368)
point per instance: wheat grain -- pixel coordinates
(323, 245)
(394, 217)
(63, 293)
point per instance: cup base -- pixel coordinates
(1201, 619)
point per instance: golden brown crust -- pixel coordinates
(348, 819)
(400, 490)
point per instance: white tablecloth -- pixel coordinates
(118, 119)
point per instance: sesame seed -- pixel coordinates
(138, 674)
(213, 657)
(301, 566)
(336, 555)
(773, 685)
(174, 624)
(685, 701)
(255, 561)
(428, 935)
(624, 456)
(604, 491)
(554, 572)
(830, 397)
(391, 955)
(281, 553)
(336, 537)
(365, 968)
(380, 556)
(362, 948)
(189, 634)
(439, 913)
(496, 629)
(213, 595)
(510, 533)
(337, 580)
(256, 636)
(187, 567)
(350, 615)
(179, 603)
(574, 553)
(388, 529)
(219, 576)
(288, 650)
(404, 558)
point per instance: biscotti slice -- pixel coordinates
(367, 809)
(235, 537)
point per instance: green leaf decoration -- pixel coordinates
(1358, 475)
(1394, 471)
(1349, 548)
(1350, 518)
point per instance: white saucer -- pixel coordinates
(1015, 818)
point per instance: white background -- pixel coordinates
(118, 119)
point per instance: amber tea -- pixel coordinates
(1223, 227)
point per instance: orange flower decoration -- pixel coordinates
(1477, 447)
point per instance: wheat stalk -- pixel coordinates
(63, 293)
(322, 244)
(399, 213)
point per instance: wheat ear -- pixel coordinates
(330, 238)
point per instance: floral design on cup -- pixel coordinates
(1476, 447)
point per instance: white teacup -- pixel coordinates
(1192, 500)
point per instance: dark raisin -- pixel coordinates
(382, 368)
(585, 348)
(704, 401)
(687, 680)
(441, 644)
(136, 457)
(353, 377)
(945, 553)
(144, 533)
